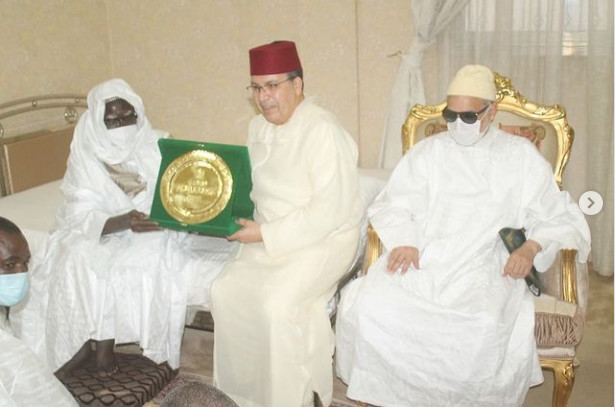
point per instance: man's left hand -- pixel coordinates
(250, 232)
(520, 262)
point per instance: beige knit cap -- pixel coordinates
(473, 81)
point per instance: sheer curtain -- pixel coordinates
(430, 17)
(555, 51)
(598, 132)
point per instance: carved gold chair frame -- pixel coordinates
(565, 288)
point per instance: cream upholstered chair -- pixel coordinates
(561, 307)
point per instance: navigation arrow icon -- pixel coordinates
(590, 202)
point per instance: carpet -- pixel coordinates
(138, 381)
(183, 378)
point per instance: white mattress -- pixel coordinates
(34, 211)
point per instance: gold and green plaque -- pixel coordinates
(202, 187)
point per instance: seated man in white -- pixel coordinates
(444, 317)
(108, 273)
(24, 380)
(273, 338)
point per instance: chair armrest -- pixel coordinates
(373, 249)
(568, 276)
(567, 279)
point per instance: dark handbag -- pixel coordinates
(514, 238)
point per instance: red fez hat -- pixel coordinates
(274, 58)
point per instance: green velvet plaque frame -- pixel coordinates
(202, 187)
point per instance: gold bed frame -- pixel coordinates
(37, 157)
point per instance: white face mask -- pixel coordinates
(13, 288)
(120, 136)
(465, 134)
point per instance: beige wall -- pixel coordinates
(191, 64)
(189, 61)
(384, 29)
(51, 47)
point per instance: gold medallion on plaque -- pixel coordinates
(196, 187)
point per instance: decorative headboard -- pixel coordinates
(35, 137)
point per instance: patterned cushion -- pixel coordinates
(533, 132)
(434, 127)
(138, 381)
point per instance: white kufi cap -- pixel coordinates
(473, 81)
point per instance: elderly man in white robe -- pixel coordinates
(24, 380)
(108, 273)
(444, 316)
(273, 338)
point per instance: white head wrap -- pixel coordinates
(473, 81)
(91, 132)
(87, 184)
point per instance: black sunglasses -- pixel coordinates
(468, 117)
(115, 122)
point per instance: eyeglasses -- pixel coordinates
(269, 87)
(115, 122)
(468, 117)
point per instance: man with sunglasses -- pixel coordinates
(273, 339)
(444, 317)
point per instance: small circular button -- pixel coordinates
(590, 202)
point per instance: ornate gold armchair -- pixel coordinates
(560, 309)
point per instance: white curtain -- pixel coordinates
(430, 17)
(554, 51)
(598, 132)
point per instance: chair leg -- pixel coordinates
(563, 371)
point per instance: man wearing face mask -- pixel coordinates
(24, 380)
(108, 273)
(444, 317)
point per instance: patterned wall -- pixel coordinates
(188, 59)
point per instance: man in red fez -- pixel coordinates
(273, 340)
(271, 66)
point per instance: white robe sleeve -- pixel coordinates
(550, 216)
(394, 212)
(84, 208)
(25, 381)
(335, 197)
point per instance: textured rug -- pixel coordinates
(179, 380)
(138, 381)
(184, 378)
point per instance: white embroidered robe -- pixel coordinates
(456, 332)
(24, 380)
(273, 338)
(126, 286)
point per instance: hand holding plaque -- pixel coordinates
(202, 187)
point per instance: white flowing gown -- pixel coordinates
(24, 380)
(273, 339)
(126, 286)
(455, 332)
